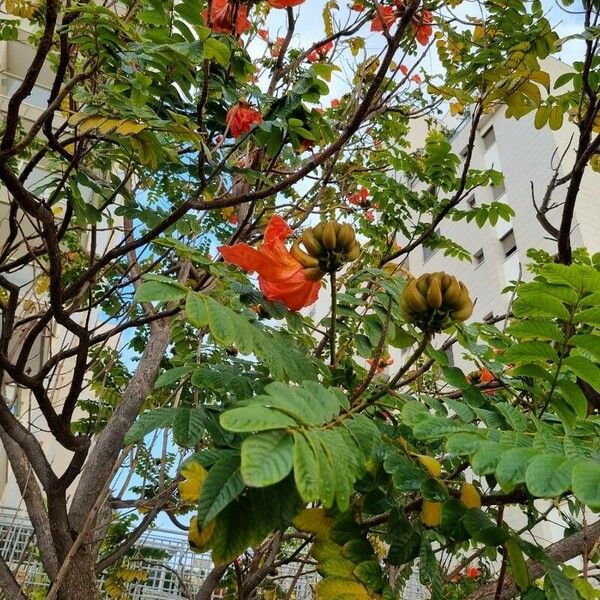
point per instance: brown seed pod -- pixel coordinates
(433, 300)
(329, 245)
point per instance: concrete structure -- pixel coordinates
(526, 157)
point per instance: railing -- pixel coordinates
(165, 579)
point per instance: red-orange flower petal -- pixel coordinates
(241, 117)
(383, 14)
(422, 26)
(280, 275)
(284, 3)
(222, 13)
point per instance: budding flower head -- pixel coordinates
(434, 300)
(328, 246)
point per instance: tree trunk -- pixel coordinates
(80, 583)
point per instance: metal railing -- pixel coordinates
(177, 575)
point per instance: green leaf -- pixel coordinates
(157, 418)
(543, 305)
(483, 529)
(463, 444)
(584, 368)
(590, 316)
(434, 428)
(588, 342)
(434, 490)
(514, 417)
(217, 51)
(306, 470)
(586, 483)
(413, 412)
(370, 573)
(549, 475)
(529, 351)
(159, 291)
(582, 278)
(572, 393)
(536, 328)
(222, 485)
(267, 458)
(172, 376)
(188, 426)
(195, 310)
(485, 460)
(512, 465)
(246, 419)
(235, 531)
(358, 550)
(222, 327)
(517, 564)
(406, 475)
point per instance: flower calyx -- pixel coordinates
(328, 247)
(434, 300)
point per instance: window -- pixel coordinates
(489, 138)
(429, 252)
(498, 190)
(478, 257)
(471, 202)
(464, 152)
(448, 352)
(509, 244)
(488, 318)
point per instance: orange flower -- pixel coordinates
(422, 26)
(277, 45)
(370, 215)
(472, 572)
(404, 69)
(360, 197)
(482, 377)
(263, 34)
(240, 118)
(319, 53)
(417, 78)
(358, 7)
(222, 13)
(335, 103)
(284, 3)
(384, 14)
(280, 275)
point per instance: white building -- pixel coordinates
(526, 156)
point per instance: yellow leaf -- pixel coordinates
(356, 45)
(541, 77)
(431, 513)
(456, 108)
(327, 16)
(198, 537)
(469, 496)
(190, 488)
(479, 32)
(313, 520)
(334, 588)
(130, 127)
(323, 549)
(91, 123)
(42, 285)
(432, 465)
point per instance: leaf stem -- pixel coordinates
(332, 283)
